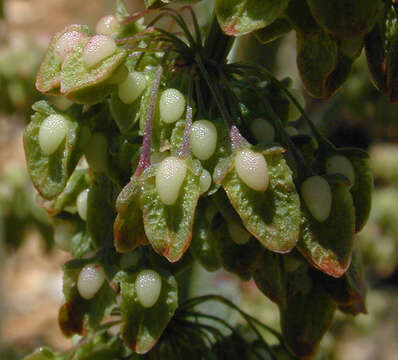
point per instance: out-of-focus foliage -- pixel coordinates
(19, 209)
(19, 61)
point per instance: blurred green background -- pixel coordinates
(30, 275)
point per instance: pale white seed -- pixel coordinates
(203, 139)
(63, 233)
(52, 133)
(339, 164)
(81, 204)
(263, 131)
(132, 87)
(98, 49)
(205, 181)
(107, 25)
(252, 169)
(171, 105)
(238, 233)
(90, 280)
(148, 286)
(97, 152)
(317, 195)
(67, 42)
(294, 113)
(169, 178)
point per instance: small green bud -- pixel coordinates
(205, 181)
(238, 233)
(263, 131)
(148, 286)
(52, 133)
(81, 204)
(132, 87)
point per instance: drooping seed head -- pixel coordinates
(107, 25)
(90, 280)
(132, 87)
(317, 195)
(148, 286)
(96, 152)
(98, 49)
(263, 131)
(169, 178)
(81, 204)
(238, 233)
(67, 42)
(205, 181)
(294, 113)
(252, 169)
(172, 105)
(203, 139)
(52, 133)
(338, 164)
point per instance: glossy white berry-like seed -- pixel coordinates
(98, 49)
(169, 178)
(252, 169)
(293, 112)
(67, 42)
(171, 105)
(90, 280)
(148, 286)
(205, 181)
(52, 133)
(263, 131)
(339, 164)
(317, 195)
(107, 25)
(81, 204)
(238, 233)
(203, 139)
(132, 87)
(96, 152)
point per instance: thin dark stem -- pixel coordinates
(145, 158)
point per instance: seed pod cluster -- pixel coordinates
(149, 171)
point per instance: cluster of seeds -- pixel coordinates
(173, 176)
